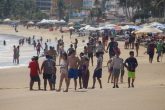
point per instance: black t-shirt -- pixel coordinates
(131, 63)
(111, 46)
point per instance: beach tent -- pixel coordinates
(153, 24)
(106, 28)
(148, 30)
(92, 28)
(126, 27)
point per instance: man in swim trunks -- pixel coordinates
(73, 68)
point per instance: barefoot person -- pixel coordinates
(73, 69)
(38, 48)
(14, 54)
(34, 72)
(17, 54)
(131, 65)
(63, 71)
(117, 63)
(137, 43)
(80, 69)
(151, 50)
(111, 47)
(48, 70)
(98, 70)
(110, 69)
(85, 72)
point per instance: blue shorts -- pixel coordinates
(73, 73)
(97, 73)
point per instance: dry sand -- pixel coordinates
(148, 93)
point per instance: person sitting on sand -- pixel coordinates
(34, 72)
(73, 69)
(131, 65)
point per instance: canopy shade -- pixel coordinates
(148, 30)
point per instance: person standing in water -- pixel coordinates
(17, 54)
(14, 54)
(4, 43)
(38, 48)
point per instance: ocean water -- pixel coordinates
(26, 51)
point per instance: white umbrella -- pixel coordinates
(30, 22)
(148, 30)
(7, 20)
(71, 28)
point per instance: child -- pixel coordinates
(98, 71)
(81, 69)
(34, 72)
(122, 72)
(110, 69)
(131, 65)
(53, 79)
(85, 72)
(117, 63)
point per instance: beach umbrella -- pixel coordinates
(148, 30)
(106, 28)
(62, 21)
(153, 24)
(117, 28)
(91, 28)
(71, 24)
(71, 28)
(30, 22)
(7, 20)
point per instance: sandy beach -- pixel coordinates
(148, 93)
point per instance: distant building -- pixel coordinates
(74, 4)
(44, 5)
(113, 11)
(88, 4)
(113, 7)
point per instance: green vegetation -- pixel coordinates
(143, 8)
(20, 9)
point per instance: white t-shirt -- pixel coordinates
(100, 48)
(117, 63)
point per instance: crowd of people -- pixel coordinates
(76, 67)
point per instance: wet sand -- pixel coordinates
(148, 93)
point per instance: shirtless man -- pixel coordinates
(73, 68)
(52, 52)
